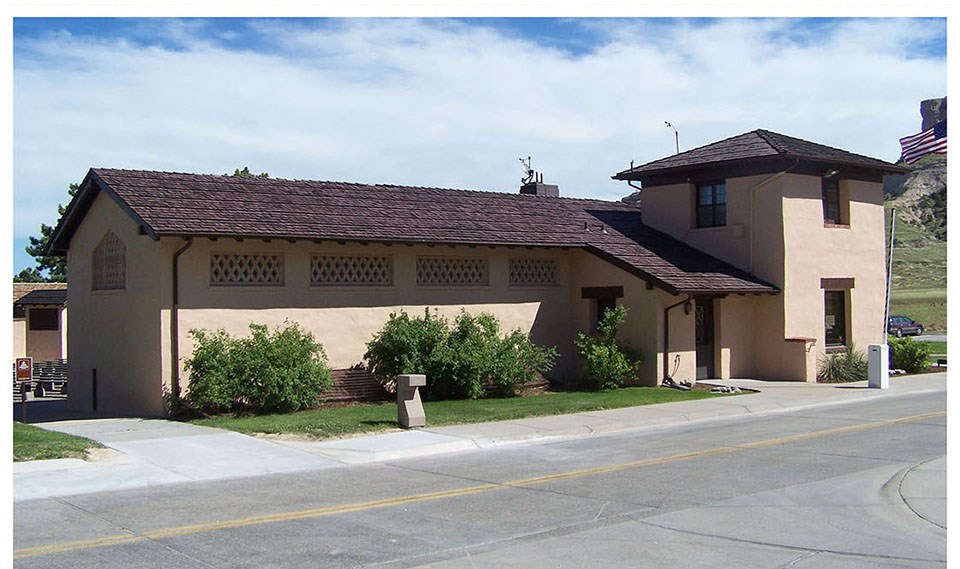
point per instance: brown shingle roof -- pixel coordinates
(174, 204)
(43, 296)
(758, 144)
(21, 290)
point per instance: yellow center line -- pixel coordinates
(164, 533)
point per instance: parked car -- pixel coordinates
(901, 326)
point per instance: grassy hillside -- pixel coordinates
(919, 275)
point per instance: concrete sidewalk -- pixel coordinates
(146, 452)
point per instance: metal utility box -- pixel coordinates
(878, 366)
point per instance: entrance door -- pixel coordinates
(703, 312)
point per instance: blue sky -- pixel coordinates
(445, 102)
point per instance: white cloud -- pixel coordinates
(448, 103)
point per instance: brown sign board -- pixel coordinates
(24, 369)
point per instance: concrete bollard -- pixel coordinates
(409, 407)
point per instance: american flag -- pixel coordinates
(931, 141)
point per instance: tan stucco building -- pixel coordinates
(40, 321)
(756, 281)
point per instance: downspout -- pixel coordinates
(666, 334)
(174, 325)
(630, 182)
(753, 194)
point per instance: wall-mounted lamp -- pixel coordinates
(687, 307)
(830, 173)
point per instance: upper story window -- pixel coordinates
(712, 204)
(836, 200)
(831, 200)
(110, 264)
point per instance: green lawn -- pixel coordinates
(351, 419)
(925, 305)
(33, 443)
(923, 266)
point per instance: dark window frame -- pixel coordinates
(714, 213)
(602, 298)
(832, 200)
(48, 322)
(835, 304)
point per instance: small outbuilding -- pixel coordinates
(40, 321)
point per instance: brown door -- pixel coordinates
(703, 312)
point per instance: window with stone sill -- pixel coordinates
(835, 318)
(836, 202)
(712, 204)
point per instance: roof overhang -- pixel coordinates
(755, 166)
(675, 290)
(90, 188)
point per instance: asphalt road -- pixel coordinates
(815, 488)
(932, 337)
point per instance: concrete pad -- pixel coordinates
(220, 455)
(924, 490)
(107, 431)
(156, 452)
(121, 473)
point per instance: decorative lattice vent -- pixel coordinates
(230, 269)
(452, 271)
(331, 270)
(110, 264)
(533, 272)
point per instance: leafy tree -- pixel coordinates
(29, 276)
(54, 265)
(246, 173)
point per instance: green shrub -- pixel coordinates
(517, 361)
(411, 345)
(465, 360)
(843, 366)
(269, 372)
(908, 355)
(608, 364)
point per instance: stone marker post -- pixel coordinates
(409, 407)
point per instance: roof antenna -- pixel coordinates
(528, 174)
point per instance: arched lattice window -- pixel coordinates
(110, 264)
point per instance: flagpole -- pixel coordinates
(886, 310)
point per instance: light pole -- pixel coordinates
(676, 135)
